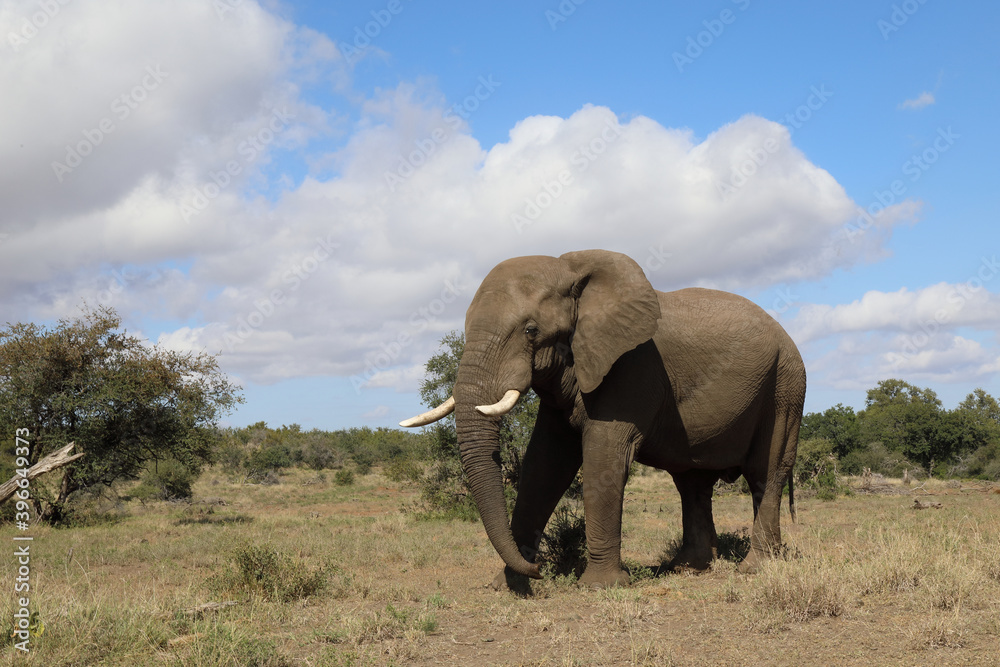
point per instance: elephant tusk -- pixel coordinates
(431, 416)
(501, 407)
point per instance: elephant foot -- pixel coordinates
(593, 578)
(692, 558)
(510, 580)
(751, 564)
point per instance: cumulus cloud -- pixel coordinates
(927, 334)
(358, 268)
(120, 115)
(941, 305)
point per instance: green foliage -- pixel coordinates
(904, 427)
(445, 487)
(838, 424)
(123, 401)
(906, 419)
(343, 478)
(878, 459)
(258, 451)
(564, 545)
(261, 571)
(404, 470)
(816, 468)
(270, 457)
(734, 546)
(165, 480)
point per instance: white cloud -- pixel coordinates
(944, 305)
(925, 99)
(119, 114)
(919, 335)
(357, 274)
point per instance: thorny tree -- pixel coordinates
(123, 401)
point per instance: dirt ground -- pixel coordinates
(867, 580)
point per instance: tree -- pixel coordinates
(907, 419)
(123, 401)
(838, 424)
(515, 428)
(978, 417)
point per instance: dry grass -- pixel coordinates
(867, 580)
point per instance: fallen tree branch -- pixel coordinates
(51, 462)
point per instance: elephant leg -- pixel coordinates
(700, 542)
(606, 460)
(767, 471)
(550, 464)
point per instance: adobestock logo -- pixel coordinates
(122, 107)
(249, 149)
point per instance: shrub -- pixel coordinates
(270, 457)
(983, 463)
(816, 468)
(363, 460)
(165, 480)
(259, 570)
(444, 494)
(343, 478)
(564, 545)
(402, 469)
(877, 458)
(232, 456)
(318, 454)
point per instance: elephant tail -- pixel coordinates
(791, 496)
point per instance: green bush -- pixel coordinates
(270, 457)
(165, 480)
(814, 458)
(403, 470)
(816, 468)
(877, 458)
(343, 478)
(564, 545)
(363, 460)
(983, 463)
(444, 494)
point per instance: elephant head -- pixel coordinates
(553, 324)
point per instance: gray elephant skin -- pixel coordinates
(701, 383)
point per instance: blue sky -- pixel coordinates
(317, 203)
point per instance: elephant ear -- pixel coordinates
(617, 310)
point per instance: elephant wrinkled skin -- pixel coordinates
(701, 383)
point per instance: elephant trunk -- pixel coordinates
(479, 447)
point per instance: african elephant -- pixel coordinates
(701, 383)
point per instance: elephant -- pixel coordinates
(701, 383)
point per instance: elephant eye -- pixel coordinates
(531, 330)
